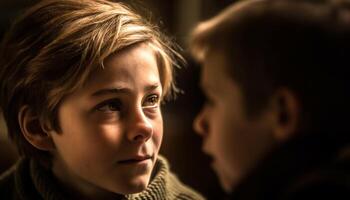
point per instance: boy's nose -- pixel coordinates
(141, 128)
(200, 124)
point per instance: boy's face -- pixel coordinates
(233, 141)
(111, 129)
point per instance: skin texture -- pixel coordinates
(114, 120)
(234, 141)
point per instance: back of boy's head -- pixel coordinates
(299, 44)
(53, 48)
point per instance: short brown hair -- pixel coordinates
(303, 45)
(52, 49)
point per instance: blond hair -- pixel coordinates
(53, 48)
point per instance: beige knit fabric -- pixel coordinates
(166, 186)
(31, 181)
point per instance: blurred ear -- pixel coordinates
(287, 109)
(33, 130)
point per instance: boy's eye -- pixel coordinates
(208, 101)
(113, 105)
(151, 101)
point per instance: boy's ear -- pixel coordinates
(34, 131)
(287, 109)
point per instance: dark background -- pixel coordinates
(181, 145)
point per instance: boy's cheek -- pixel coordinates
(156, 141)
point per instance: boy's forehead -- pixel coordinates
(121, 68)
(215, 64)
(213, 75)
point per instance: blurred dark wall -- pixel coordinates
(181, 145)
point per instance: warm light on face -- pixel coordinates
(112, 128)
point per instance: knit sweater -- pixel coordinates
(28, 180)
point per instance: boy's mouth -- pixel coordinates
(136, 159)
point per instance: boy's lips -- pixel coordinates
(136, 159)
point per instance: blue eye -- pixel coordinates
(112, 105)
(151, 101)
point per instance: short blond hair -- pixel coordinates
(53, 48)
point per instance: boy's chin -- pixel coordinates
(137, 185)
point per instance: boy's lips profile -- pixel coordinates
(136, 159)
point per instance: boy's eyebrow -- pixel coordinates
(122, 90)
(151, 87)
(107, 91)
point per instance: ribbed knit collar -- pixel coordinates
(35, 182)
(159, 186)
